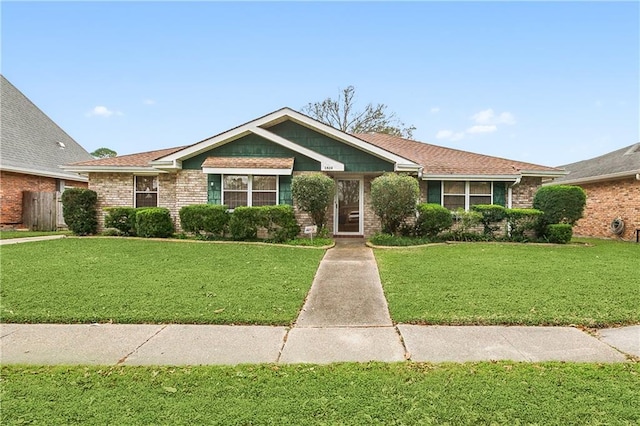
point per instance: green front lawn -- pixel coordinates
(5, 235)
(83, 280)
(480, 283)
(354, 394)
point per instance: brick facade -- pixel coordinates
(12, 185)
(607, 201)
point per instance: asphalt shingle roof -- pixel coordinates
(30, 139)
(621, 161)
(438, 160)
(140, 159)
(249, 162)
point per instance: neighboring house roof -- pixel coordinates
(624, 162)
(439, 161)
(435, 162)
(123, 163)
(31, 142)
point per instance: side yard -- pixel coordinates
(491, 283)
(85, 280)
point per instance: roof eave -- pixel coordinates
(28, 171)
(599, 178)
(113, 169)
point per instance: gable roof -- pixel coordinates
(138, 162)
(620, 163)
(31, 142)
(260, 127)
(441, 162)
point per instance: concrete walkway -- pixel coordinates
(345, 318)
(30, 239)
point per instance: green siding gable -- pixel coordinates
(253, 146)
(354, 160)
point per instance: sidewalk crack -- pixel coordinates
(124, 358)
(407, 354)
(284, 342)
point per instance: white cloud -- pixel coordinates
(444, 134)
(482, 129)
(149, 102)
(434, 110)
(102, 111)
(448, 134)
(488, 116)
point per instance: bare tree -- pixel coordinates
(342, 114)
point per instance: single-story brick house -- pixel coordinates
(33, 149)
(253, 164)
(612, 184)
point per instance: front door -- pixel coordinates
(348, 207)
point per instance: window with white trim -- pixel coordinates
(249, 190)
(464, 194)
(146, 191)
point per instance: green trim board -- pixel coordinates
(354, 159)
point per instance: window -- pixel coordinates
(248, 190)
(464, 194)
(146, 191)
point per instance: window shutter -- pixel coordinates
(214, 189)
(434, 191)
(499, 192)
(285, 196)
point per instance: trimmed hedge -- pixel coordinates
(432, 219)
(121, 218)
(393, 199)
(279, 222)
(79, 210)
(154, 222)
(491, 214)
(560, 204)
(313, 194)
(559, 233)
(244, 223)
(203, 219)
(520, 221)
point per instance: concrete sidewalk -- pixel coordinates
(30, 239)
(122, 344)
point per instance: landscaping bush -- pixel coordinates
(520, 221)
(79, 210)
(279, 222)
(203, 219)
(432, 219)
(382, 239)
(313, 193)
(244, 223)
(393, 198)
(560, 204)
(121, 218)
(559, 233)
(491, 215)
(154, 222)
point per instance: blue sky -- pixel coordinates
(545, 82)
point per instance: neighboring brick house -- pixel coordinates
(253, 164)
(612, 184)
(32, 149)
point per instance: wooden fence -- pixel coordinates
(42, 211)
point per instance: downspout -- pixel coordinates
(510, 191)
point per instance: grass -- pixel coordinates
(355, 394)
(5, 235)
(84, 280)
(479, 283)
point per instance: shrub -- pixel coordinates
(244, 223)
(520, 221)
(313, 194)
(382, 239)
(202, 219)
(559, 233)
(393, 198)
(432, 219)
(79, 210)
(560, 204)
(279, 222)
(154, 222)
(491, 215)
(121, 218)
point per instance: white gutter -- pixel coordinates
(114, 169)
(510, 192)
(589, 179)
(35, 172)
